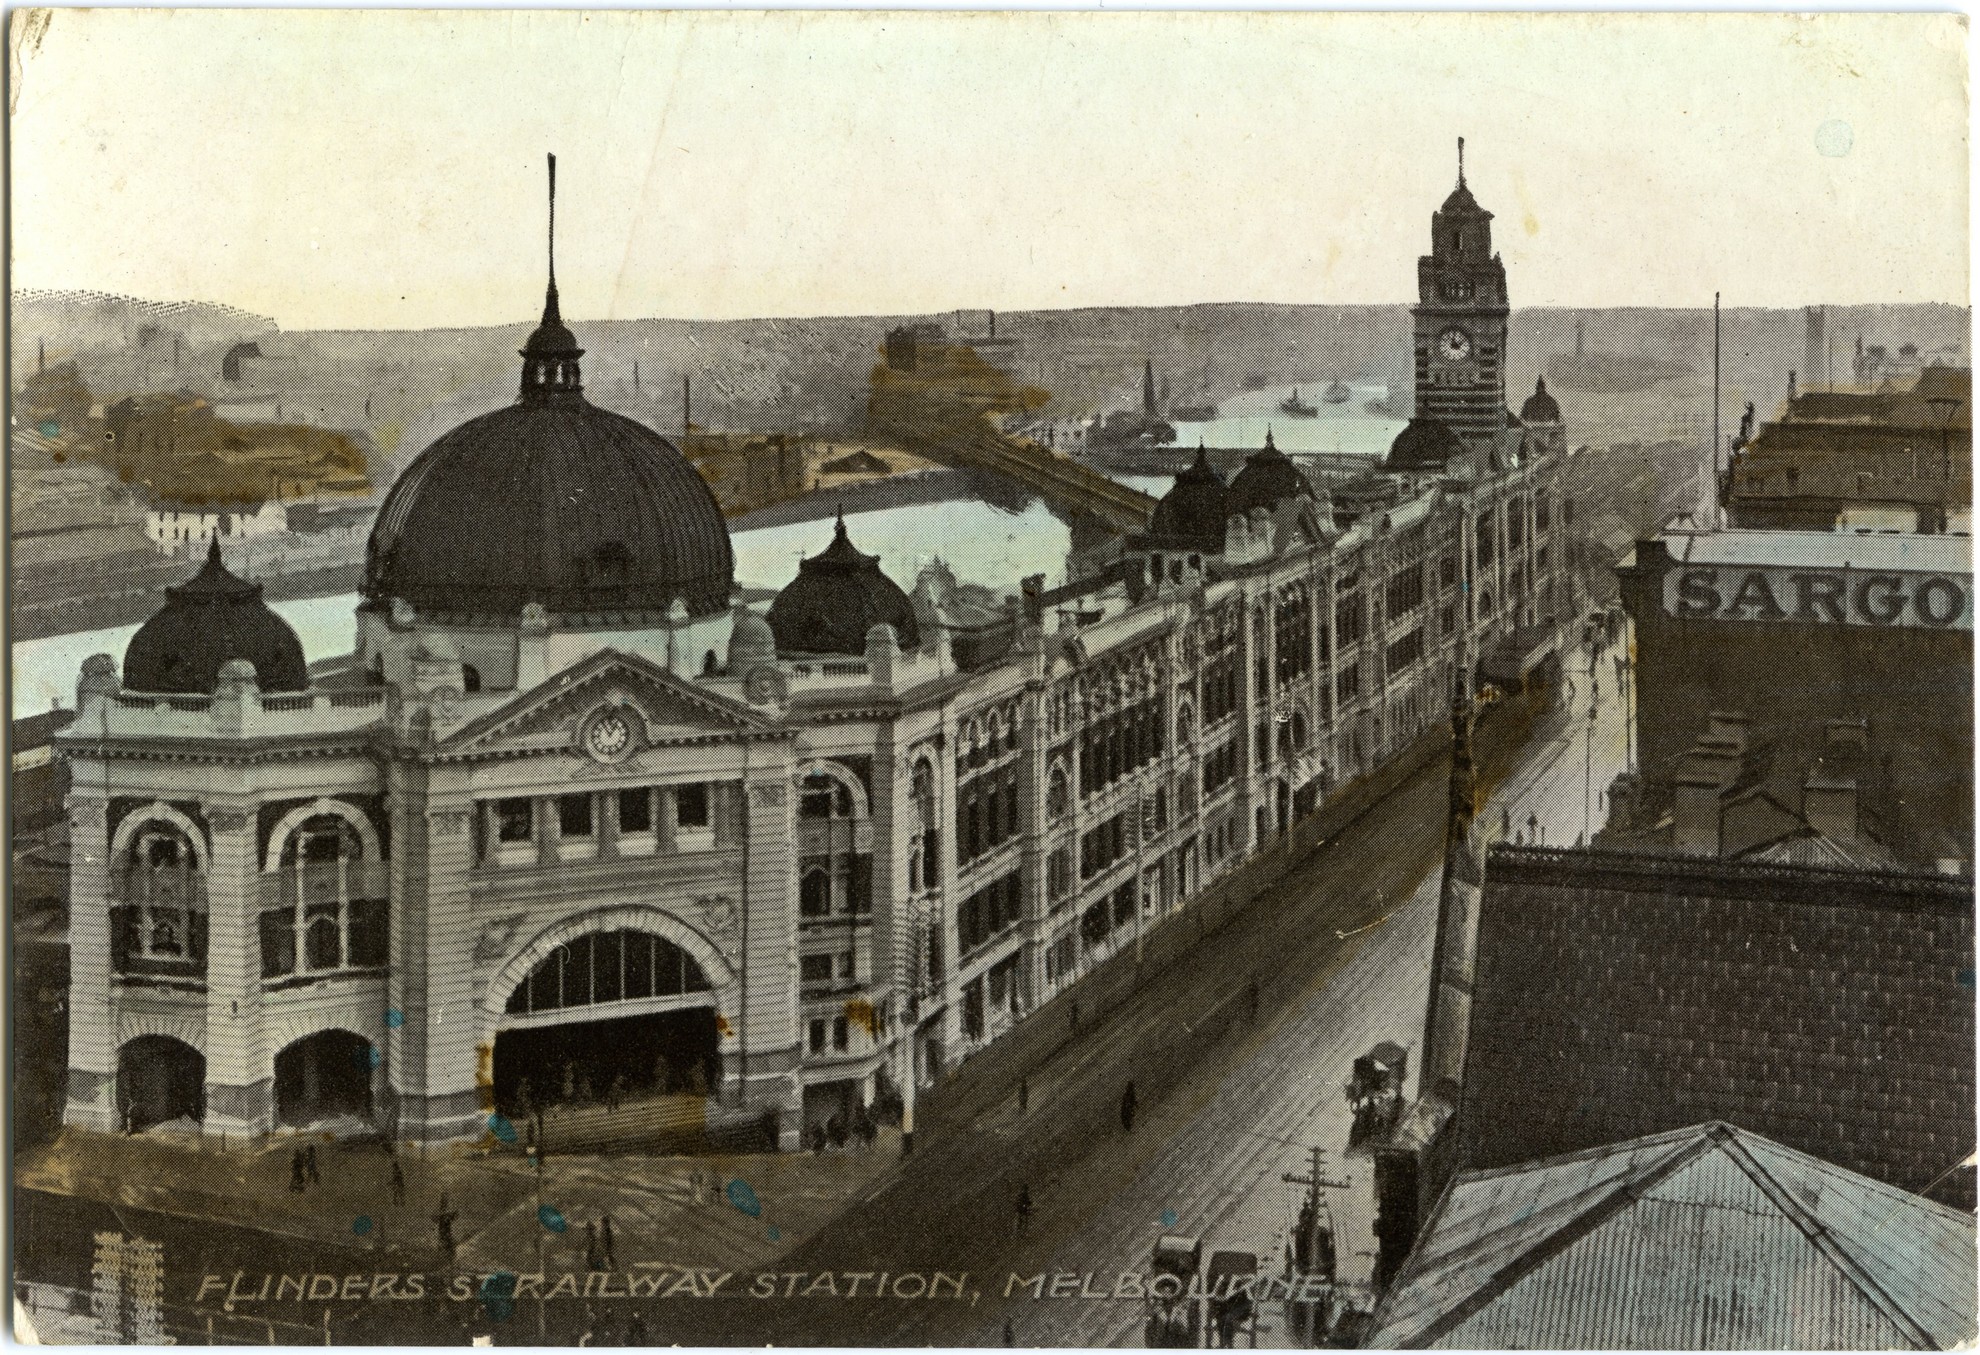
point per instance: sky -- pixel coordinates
(385, 169)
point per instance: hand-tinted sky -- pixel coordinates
(385, 169)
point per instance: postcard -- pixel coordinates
(1042, 679)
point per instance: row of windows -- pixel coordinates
(838, 883)
(1103, 845)
(1406, 651)
(614, 966)
(1124, 742)
(1220, 690)
(1405, 591)
(323, 937)
(986, 814)
(1293, 639)
(989, 912)
(826, 968)
(577, 815)
(1350, 618)
(1100, 919)
(1220, 768)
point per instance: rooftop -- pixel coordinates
(1935, 553)
(1708, 1237)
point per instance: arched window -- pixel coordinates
(160, 925)
(328, 907)
(470, 678)
(831, 816)
(1185, 725)
(1058, 794)
(924, 859)
(815, 893)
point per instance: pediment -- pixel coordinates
(658, 709)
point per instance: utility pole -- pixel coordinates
(1312, 1250)
(1588, 769)
(1718, 505)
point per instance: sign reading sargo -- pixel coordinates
(1835, 597)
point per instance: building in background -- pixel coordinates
(1882, 461)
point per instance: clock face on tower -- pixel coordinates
(1454, 344)
(608, 735)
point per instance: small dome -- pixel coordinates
(1540, 407)
(1195, 508)
(1424, 444)
(751, 641)
(211, 619)
(839, 595)
(1268, 479)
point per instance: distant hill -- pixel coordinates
(810, 375)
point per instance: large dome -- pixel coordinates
(1195, 508)
(1425, 444)
(208, 621)
(1268, 479)
(554, 501)
(838, 595)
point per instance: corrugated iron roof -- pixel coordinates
(1707, 1238)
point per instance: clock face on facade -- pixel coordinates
(1454, 344)
(608, 736)
(1457, 289)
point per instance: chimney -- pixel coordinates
(1695, 814)
(1728, 727)
(1828, 802)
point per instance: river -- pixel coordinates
(982, 544)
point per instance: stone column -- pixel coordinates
(546, 830)
(768, 978)
(240, 1071)
(607, 825)
(664, 814)
(433, 1065)
(92, 1098)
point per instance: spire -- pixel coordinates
(1147, 386)
(550, 366)
(1270, 445)
(553, 164)
(550, 315)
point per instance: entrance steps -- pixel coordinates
(679, 1124)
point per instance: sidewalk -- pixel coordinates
(656, 1216)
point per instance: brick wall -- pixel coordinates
(1832, 1011)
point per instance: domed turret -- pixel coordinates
(551, 500)
(1268, 479)
(1540, 407)
(1424, 444)
(1195, 508)
(213, 618)
(751, 641)
(838, 595)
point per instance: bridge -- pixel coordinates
(1063, 483)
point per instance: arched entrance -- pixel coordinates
(159, 1079)
(325, 1076)
(605, 1016)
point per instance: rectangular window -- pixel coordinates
(574, 816)
(636, 811)
(841, 1035)
(691, 806)
(815, 968)
(515, 820)
(816, 1037)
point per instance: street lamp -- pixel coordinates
(1945, 406)
(1588, 773)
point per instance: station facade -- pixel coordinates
(572, 820)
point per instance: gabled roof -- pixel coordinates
(554, 708)
(1702, 1238)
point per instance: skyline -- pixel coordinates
(1126, 160)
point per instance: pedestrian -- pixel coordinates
(1127, 1108)
(570, 1082)
(816, 1132)
(1010, 1333)
(1024, 1094)
(309, 1165)
(1023, 1210)
(443, 1224)
(1533, 829)
(636, 1330)
(592, 1257)
(605, 1241)
(1075, 1013)
(616, 1093)
(298, 1179)
(835, 1129)
(398, 1184)
(525, 1105)
(584, 1087)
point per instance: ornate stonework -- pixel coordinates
(448, 822)
(722, 921)
(229, 820)
(767, 793)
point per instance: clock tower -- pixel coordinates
(1461, 320)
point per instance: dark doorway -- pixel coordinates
(324, 1077)
(585, 1061)
(159, 1079)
